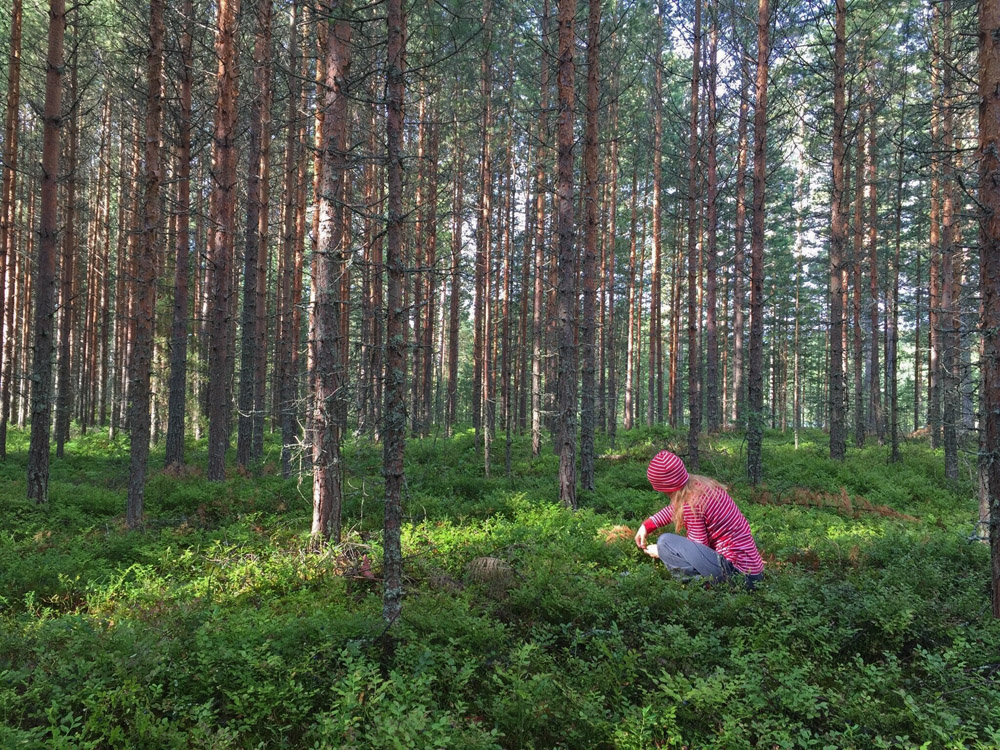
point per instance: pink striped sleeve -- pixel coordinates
(659, 519)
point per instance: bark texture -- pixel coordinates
(756, 391)
(838, 242)
(989, 266)
(222, 214)
(567, 377)
(45, 261)
(395, 362)
(145, 274)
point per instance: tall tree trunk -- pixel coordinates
(480, 344)
(368, 374)
(453, 309)
(523, 385)
(654, 402)
(755, 432)
(949, 344)
(796, 401)
(676, 405)
(249, 353)
(631, 357)
(713, 405)
(537, 314)
(145, 278)
(327, 375)
(739, 232)
(24, 322)
(507, 292)
(127, 174)
(67, 270)
(418, 272)
(800, 209)
(934, 376)
(395, 404)
(892, 319)
(566, 387)
(838, 243)
(286, 376)
(989, 266)
(855, 270)
(693, 204)
(8, 192)
(260, 323)
(875, 417)
(45, 262)
(590, 196)
(222, 209)
(610, 357)
(430, 264)
(182, 270)
(917, 352)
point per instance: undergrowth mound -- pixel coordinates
(524, 625)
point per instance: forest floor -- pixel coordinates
(524, 625)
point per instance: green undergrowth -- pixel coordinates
(525, 625)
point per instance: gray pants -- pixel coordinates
(687, 560)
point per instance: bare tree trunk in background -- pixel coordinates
(127, 174)
(876, 424)
(693, 203)
(506, 346)
(376, 288)
(739, 230)
(8, 189)
(145, 279)
(949, 335)
(367, 373)
(453, 309)
(675, 406)
(566, 387)
(286, 375)
(892, 361)
(989, 267)
(417, 267)
(67, 269)
(799, 207)
(327, 371)
(934, 261)
(537, 314)
(23, 322)
(430, 264)
(264, 219)
(631, 356)
(857, 338)
(45, 262)
(222, 209)
(610, 357)
(755, 433)
(654, 402)
(246, 406)
(796, 385)
(590, 198)
(480, 344)
(917, 353)
(838, 242)
(395, 403)
(182, 271)
(713, 406)
(523, 344)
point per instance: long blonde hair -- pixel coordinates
(692, 495)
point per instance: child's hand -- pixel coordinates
(651, 551)
(640, 537)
